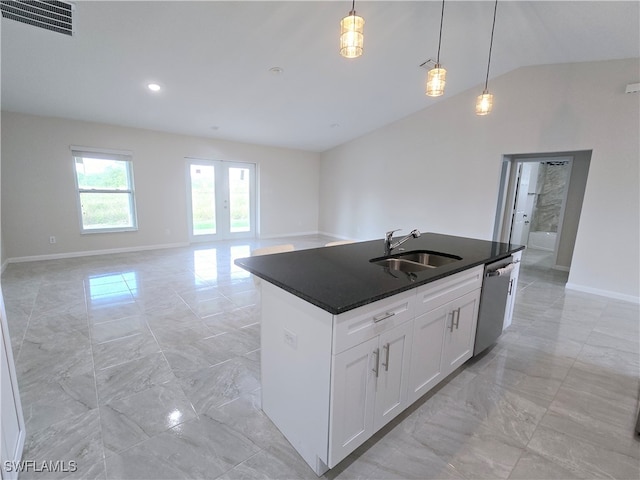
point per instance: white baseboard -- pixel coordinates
(88, 253)
(291, 234)
(341, 237)
(603, 293)
(561, 268)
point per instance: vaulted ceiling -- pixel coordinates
(213, 61)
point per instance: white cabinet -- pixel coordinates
(368, 379)
(513, 285)
(392, 374)
(462, 315)
(369, 388)
(352, 398)
(444, 328)
(426, 352)
(11, 419)
(329, 382)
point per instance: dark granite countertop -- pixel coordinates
(341, 278)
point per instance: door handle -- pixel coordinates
(385, 364)
(376, 352)
(455, 319)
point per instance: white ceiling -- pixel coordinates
(213, 59)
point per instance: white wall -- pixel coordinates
(439, 169)
(38, 190)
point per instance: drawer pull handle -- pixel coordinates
(457, 311)
(383, 316)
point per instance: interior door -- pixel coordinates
(519, 211)
(221, 200)
(524, 203)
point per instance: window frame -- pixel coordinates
(112, 155)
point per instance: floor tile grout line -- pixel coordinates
(95, 381)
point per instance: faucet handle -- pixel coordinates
(390, 233)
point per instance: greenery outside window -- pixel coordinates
(104, 181)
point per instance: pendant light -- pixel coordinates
(351, 34)
(484, 103)
(437, 76)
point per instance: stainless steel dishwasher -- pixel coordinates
(493, 302)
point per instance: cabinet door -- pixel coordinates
(425, 369)
(511, 296)
(461, 331)
(393, 374)
(352, 399)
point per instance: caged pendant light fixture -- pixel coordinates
(351, 34)
(437, 76)
(484, 103)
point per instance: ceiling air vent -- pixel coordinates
(50, 15)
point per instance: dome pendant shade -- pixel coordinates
(484, 103)
(436, 80)
(351, 35)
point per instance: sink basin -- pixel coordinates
(415, 261)
(430, 259)
(402, 265)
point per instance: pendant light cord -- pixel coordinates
(440, 37)
(486, 82)
(353, 8)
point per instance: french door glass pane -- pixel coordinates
(239, 199)
(203, 199)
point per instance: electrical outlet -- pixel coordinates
(290, 338)
(52, 239)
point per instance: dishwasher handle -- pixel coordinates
(502, 271)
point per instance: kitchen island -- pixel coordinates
(347, 344)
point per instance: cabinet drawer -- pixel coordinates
(436, 294)
(361, 324)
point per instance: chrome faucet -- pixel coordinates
(389, 244)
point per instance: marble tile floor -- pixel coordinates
(146, 366)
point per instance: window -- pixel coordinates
(105, 191)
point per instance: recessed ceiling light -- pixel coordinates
(335, 125)
(276, 70)
(154, 87)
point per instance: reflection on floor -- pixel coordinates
(147, 365)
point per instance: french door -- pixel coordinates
(221, 199)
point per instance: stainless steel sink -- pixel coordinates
(402, 265)
(415, 261)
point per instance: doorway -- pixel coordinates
(540, 203)
(221, 200)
